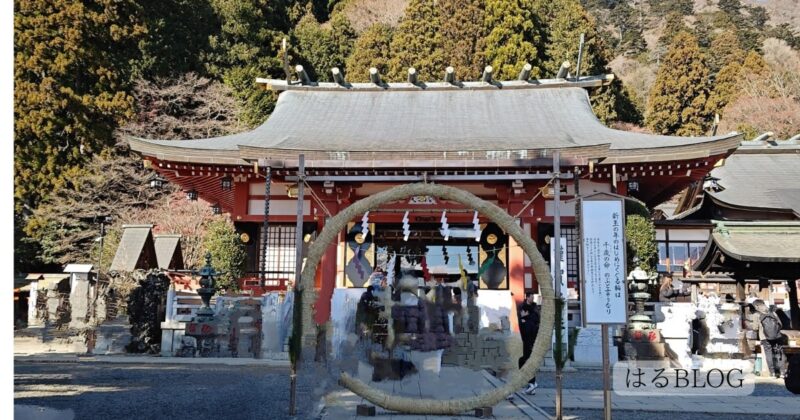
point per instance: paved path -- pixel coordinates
(148, 360)
(459, 382)
(452, 383)
(591, 399)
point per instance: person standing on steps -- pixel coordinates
(528, 328)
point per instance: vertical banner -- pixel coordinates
(564, 293)
(603, 291)
(562, 265)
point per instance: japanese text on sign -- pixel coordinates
(603, 261)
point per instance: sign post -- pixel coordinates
(603, 293)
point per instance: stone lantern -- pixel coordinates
(638, 284)
(203, 327)
(207, 289)
(643, 339)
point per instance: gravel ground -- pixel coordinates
(649, 415)
(593, 379)
(106, 391)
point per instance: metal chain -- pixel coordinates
(265, 226)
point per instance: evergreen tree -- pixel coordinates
(674, 25)
(703, 30)
(725, 86)
(463, 35)
(418, 42)
(677, 101)
(566, 21)
(629, 29)
(371, 49)
(665, 7)
(227, 252)
(177, 38)
(72, 72)
(724, 50)
(513, 33)
(787, 33)
(322, 48)
(245, 47)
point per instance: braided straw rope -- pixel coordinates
(507, 223)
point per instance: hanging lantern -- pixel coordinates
(157, 182)
(191, 195)
(226, 183)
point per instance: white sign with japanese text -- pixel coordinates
(563, 292)
(562, 265)
(603, 261)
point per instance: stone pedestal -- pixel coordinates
(79, 302)
(588, 346)
(675, 324)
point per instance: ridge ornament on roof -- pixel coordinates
(413, 84)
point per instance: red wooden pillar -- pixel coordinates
(516, 277)
(241, 195)
(326, 273)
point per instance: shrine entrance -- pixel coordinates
(503, 221)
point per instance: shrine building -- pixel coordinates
(495, 139)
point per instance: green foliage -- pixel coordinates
(245, 47)
(463, 35)
(677, 101)
(665, 7)
(227, 252)
(673, 26)
(372, 49)
(726, 86)
(615, 102)
(724, 50)
(640, 234)
(572, 341)
(418, 43)
(513, 32)
(256, 103)
(296, 339)
(71, 74)
(787, 33)
(749, 26)
(560, 354)
(565, 21)
(729, 80)
(177, 38)
(323, 47)
(629, 26)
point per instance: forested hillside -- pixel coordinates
(87, 72)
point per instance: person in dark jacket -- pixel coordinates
(528, 328)
(667, 293)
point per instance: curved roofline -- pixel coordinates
(473, 121)
(724, 203)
